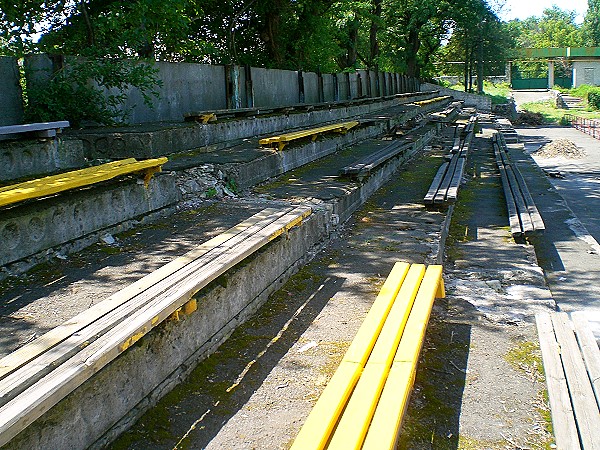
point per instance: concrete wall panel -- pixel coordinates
(275, 87)
(329, 87)
(11, 112)
(311, 87)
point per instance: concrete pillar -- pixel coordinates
(550, 74)
(509, 72)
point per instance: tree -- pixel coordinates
(591, 24)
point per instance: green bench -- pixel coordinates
(363, 404)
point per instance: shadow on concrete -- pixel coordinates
(432, 418)
(196, 410)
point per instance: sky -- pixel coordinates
(521, 9)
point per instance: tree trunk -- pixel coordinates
(373, 34)
(480, 66)
(413, 45)
(91, 38)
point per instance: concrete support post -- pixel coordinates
(509, 72)
(550, 74)
(249, 87)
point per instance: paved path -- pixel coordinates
(569, 251)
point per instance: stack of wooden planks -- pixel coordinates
(523, 215)
(572, 366)
(446, 183)
(38, 375)
(364, 166)
(363, 404)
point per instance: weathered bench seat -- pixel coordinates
(39, 129)
(43, 187)
(40, 374)
(572, 366)
(363, 404)
(283, 139)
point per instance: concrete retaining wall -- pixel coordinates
(32, 227)
(30, 157)
(481, 102)
(189, 88)
(149, 142)
(11, 112)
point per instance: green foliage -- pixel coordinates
(593, 99)
(91, 90)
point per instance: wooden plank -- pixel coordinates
(536, 218)
(561, 409)
(287, 137)
(440, 197)
(33, 127)
(70, 180)
(23, 355)
(316, 431)
(385, 425)
(39, 398)
(589, 350)
(583, 400)
(435, 184)
(524, 217)
(513, 214)
(352, 427)
(364, 341)
(321, 421)
(24, 377)
(452, 194)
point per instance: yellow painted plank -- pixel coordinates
(351, 431)
(414, 332)
(384, 428)
(354, 423)
(432, 100)
(365, 338)
(317, 429)
(388, 340)
(70, 180)
(344, 126)
(386, 421)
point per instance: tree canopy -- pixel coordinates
(399, 35)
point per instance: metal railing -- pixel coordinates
(588, 126)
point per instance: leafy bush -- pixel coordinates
(594, 99)
(91, 90)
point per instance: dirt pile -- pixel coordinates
(560, 148)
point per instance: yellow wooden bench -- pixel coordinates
(50, 185)
(432, 100)
(363, 404)
(282, 140)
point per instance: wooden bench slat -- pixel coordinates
(46, 186)
(582, 396)
(352, 427)
(33, 127)
(367, 334)
(589, 350)
(37, 399)
(284, 139)
(387, 420)
(322, 419)
(435, 184)
(363, 399)
(146, 285)
(563, 420)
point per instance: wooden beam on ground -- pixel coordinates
(563, 419)
(589, 350)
